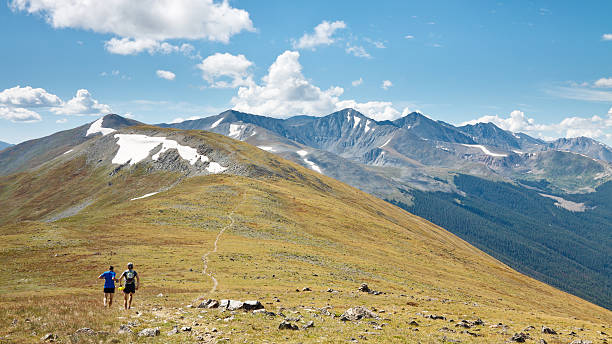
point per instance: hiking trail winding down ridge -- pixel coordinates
(214, 250)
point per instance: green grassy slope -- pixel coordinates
(281, 229)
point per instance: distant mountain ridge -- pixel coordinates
(448, 174)
(4, 145)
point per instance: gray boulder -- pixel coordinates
(149, 332)
(285, 325)
(548, 330)
(358, 313)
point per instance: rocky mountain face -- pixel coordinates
(448, 175)
(35, 152)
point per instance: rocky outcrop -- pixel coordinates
(358, 313)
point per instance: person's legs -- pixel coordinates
(125, 300)
(130, 301)
(110, 299)
(105, 297)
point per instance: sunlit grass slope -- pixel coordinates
(292, 228)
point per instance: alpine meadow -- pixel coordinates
(207, 171)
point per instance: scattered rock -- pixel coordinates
(450, 340)
(186, 328)
(306, 289)
(309, 324)
(413, 323)
(548, 330)
(252, 305)
(285, 325)
(86, 331)
(581, 341)
(125, 329)
(160, 295)
(542, 341)
(149, 332)
(14, 323)
(446, 329)
(49, 337)
(528, 328)
(173, 331)
(519, 337)
(364, 288)
(434, 317)
(358, 313)
(264, 312)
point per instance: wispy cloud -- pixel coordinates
(606, 37)
(357, 50)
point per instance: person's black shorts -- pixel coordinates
(109, 290)
(129, 288)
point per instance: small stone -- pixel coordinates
(364, 288)
(125, 329)
(413, 323)
(251, 305)
(548, 330)
(309, 324)
(49, 337)
(306, 289)
(358, 313)
(542, 341)
(519, 337)
(285, 325)
(160, 295)
(581, 341)
(149, 332)
(173, 331)
(186, 328)
(86, 331)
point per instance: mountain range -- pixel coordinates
(207, 217)
(4, 145)
(535, 205)
(540, 207)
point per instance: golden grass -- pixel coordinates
(297, 229)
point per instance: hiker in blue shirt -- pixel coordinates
(109, 286)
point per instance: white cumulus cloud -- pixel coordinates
(322, 35)
(143, 25)
(19, 115)
(386, 84)
(285, 91)
(226, 70)
(28, 97)
(607, 36)
(357, 82)
(358, 51)
(165, 74)
(604, 83)
(82, 104)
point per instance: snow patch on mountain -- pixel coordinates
(96, 127)
(367, 126)
(217, 122)
(267, 148)
(486, 151)
(235, 130)
(145, 196)
(134, 148)
(386, 143)
(68, 151)
(565, 204)
(356, 121)
(310, 164)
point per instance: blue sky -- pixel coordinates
(541, 67)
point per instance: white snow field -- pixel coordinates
(144, 196)
(310, 164)
(96, 127)
(486, 151)
(134, 148)
(217, 122)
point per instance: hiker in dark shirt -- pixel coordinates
(132, 282)
(109, 286)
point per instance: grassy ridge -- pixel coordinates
(293, 229)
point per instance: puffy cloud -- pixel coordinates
(285, 91)
(226, 70)
(28, 97)
(143, 25)
(379, 111)
(357, 82)
(129, 46)
(607, 36)
(386, 84)
(19, 115)
(322, 35)
(82, 104)
(596, 127)
(604, 83)
(165, 74)
(358, 51)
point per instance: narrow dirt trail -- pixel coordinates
(215, 245)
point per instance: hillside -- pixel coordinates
(278, 229)
(4, 145)
(493, 186)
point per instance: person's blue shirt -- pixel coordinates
(108, 279)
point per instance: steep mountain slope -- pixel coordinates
(583, 145)
(35, 152)
(4, 145)
(262, 227)
(418, 163)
